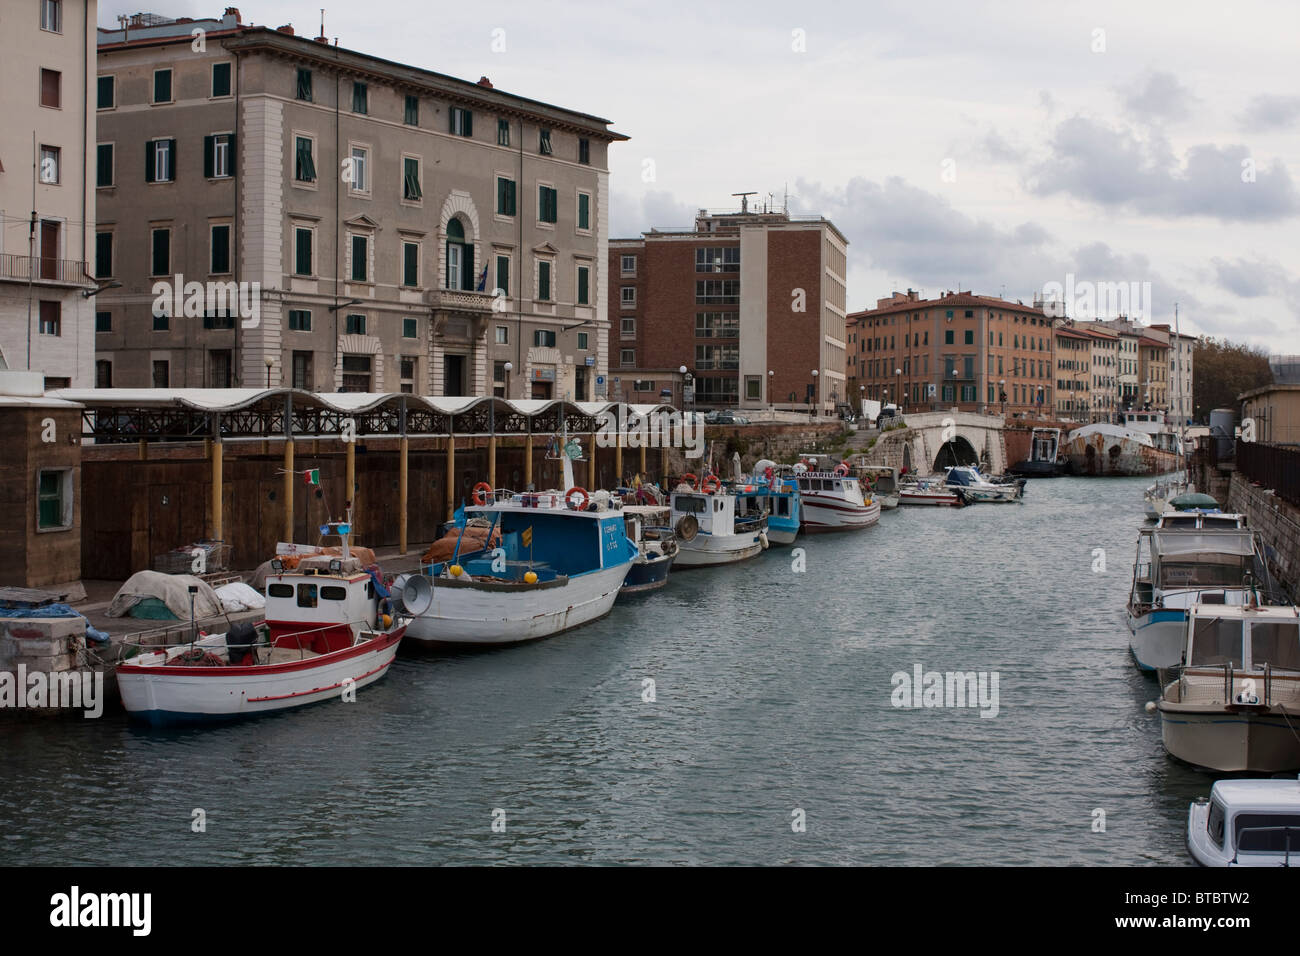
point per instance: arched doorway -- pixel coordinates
(959, 451)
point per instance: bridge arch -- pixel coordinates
(956, 451)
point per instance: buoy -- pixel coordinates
(1151, 707)
(762, 539)
(480, 491)
(711, 484)
(388, 621)
(582, 495)
(841, 469)
(456, 570)
(530, 577)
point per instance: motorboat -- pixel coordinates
(1158, 497)
(1045, 458)
(833, 500)
(329, 629)
(649, 527)
(974, 488)
(1200, 518)
(1235, 705)
(883, 484)
(713, 525)
(1176, 568)
(1246, 823)
(929, 491)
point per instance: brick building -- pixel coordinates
(977, 353)
(749, 303)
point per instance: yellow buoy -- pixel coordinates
(530, 577)
(456, 570)
(388, 621)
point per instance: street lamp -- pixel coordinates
(269, 362)
(681, 372)
(1002, 395)
(509, 367)
(812, 405)
(771, 402)
(898, 390)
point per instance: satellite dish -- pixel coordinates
(416, 594)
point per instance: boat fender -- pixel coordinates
(530, 577)
(481, 491)
(762, 539)
(711, 484)
(581, 493)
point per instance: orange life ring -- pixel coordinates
(711, 484)
(690, 479)
(841, 469)
(575, 490)
(482, 486)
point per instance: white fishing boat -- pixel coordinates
(551, 561)
(1235, 705)
(709, 528)
(1177, 568)
(929, 491)
(883, 485)
(974, 488)
(833, 500)
(1246, 823)
(649, 527)
(328, 630)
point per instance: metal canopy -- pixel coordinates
(191, 414)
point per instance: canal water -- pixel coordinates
(771, 737)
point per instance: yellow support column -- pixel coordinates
(618, 457)
(401, 495)
(288, 489)
(528, 461)
(350, 471)
(492, 460)
(217, 464)
(643, 462)
(451, 476)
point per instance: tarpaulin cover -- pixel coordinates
(171, 589)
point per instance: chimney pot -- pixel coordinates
(286, 29)
(485, 82)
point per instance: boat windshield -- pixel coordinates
(1216, 641)
(1222, 572)
(1267, 832)
(690, 504)
(1276, 643)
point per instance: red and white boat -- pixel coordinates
(833, 500)
(933, 492)
(328, 630)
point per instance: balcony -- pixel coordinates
(65, 272)
(461, 300)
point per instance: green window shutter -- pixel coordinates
(171, 160)
(584, 211)
(544, 281)
(302, 254)
(105, 93)
(103, 254)
(501, 196)
(306, 171)
(468, 277)
(411, 188)
(469, 122)
(582, 285)
(411, 115)
(410, 264)
(503, 274)
(451, 119)
(104, 165)
(149, 172)
(161, 252)
(304, 85)
(410, 329)
(220, 249)
(359, 264)
(209, 144)
(221, 79)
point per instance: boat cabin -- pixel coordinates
(829, 484)
(1199, 519)
(1247, 823)
(323, 604)
(1178, 568)
(1247, 639)
(1044, 443)
(714, 514)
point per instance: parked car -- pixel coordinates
(725, 417)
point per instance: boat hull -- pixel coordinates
(932, 499)
(1219, 739)
(462, 614)
(1157, 638)
(175, 694)
(1100, 454)
(705, 550)
(781, 535)
(649, 575)
(835, 514)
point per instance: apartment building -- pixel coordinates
(1181, 348)
(1105, 372)
(1073, 361)
(47, 203)
(978, 353)
(383, 227)
(1153, 369)
(749, 303)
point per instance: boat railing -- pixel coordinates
(261, 638)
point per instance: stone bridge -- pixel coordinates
(933, 440)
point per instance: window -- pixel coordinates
(220, 368)
(544, 281)
(503, 274)
(627, 357)
(220, 79)
(503, 132)
(411, 111)
(160, 161)
(582, 342)
(360, 97)
(970, 337)
(411, 264)
(627, 296)
(304, 168)
(360, 259)
(717, 291)
(410, 329)
(947, 337)
(217, 153)
(103, 373)
(584, 274)
(52, 15)
(51, 88)
(220, 250)
(547, 205)
(502, 335)
(628, 265)
(584, 211)
(584, 151)
(717, 356)
(406, 369)
(103, 321)
(302, 370)
(718, 325)
(161, 321)
(462, 121)
(411, 179)
(718, 259)
(105, 93)
(544, 338)
(103, 255)
(627, 327)
(499, 379)
(161, 264)
(50, 317)
(355, 325)
(753, 388)
(302, 251)
(54, 499)
(299, 320)
(307, 596)
(460, 257)
(544, 142)
(505, 196)
(51, 159)
(303, 91)
(359, 182)
(161, 374)
(162, 86)
(104, 164)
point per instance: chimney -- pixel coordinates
(485, 82)
(287, 29)
(232, 11)
(323, 39)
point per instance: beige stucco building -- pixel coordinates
(1275, 410)
(47, 203)
(406, 230)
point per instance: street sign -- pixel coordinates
(591, 360)
(600, 380)
(688, 393)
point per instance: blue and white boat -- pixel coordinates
(783, 507)
(1177, 568)
(974, 488)
(560, 563)
(649, 528)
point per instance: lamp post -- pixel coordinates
(812, 405)
(687, 379)
(898, 387)
(1002, 395)
(681, 375)
(862, 399)
(771, 401)
(510, 367)
(269, 362)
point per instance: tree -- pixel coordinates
(1222, 370)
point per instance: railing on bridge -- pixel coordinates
(1271, 466)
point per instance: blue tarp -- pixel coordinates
(55, 610)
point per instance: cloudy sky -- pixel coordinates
(995, 147)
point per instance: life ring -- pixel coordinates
(690, 480)
(841, 470)
(481, 487)
(575, 490)
(711, 484)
